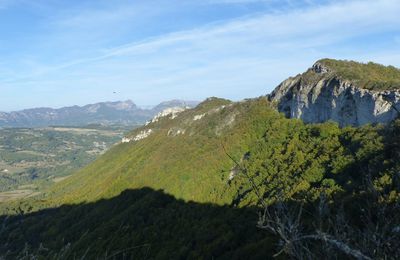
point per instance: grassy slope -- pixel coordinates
(307, 159)
(370, 75)
(192, 166)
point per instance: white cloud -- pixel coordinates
(310, 28)
(234, 59)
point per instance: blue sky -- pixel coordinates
(56, 53)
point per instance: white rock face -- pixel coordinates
(210, 112)
(330, 98)
(142, 135)
(172, 113)
(125, 140)
(234, 171)
(198, 117)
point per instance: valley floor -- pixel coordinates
(33, 159)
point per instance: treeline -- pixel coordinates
(369, 75)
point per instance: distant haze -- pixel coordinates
(105, 113)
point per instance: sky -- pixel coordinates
(56, 53)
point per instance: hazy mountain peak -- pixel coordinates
(115, 112)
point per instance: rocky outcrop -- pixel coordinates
(319, 95)
(171, 113)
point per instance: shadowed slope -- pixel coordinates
(137, 224)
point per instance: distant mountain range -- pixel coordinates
(107, 113)
(189, 184)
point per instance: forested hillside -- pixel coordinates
(200, 129)
(213, 174)
(372, 76)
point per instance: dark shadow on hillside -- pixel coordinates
(137, 224)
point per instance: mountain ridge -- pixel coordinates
(212, 121)
(347, 92)
(322, 191)
(113, 112)
(232, 155)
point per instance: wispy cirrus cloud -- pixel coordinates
(310, 28)
(233, 58)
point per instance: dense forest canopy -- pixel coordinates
(372, 76)
(238, 160)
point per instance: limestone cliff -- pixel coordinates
(323, 94)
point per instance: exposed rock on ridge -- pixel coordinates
(320, 94)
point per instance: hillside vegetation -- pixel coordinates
(182, 156)
(321, 191)
(369, 75)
